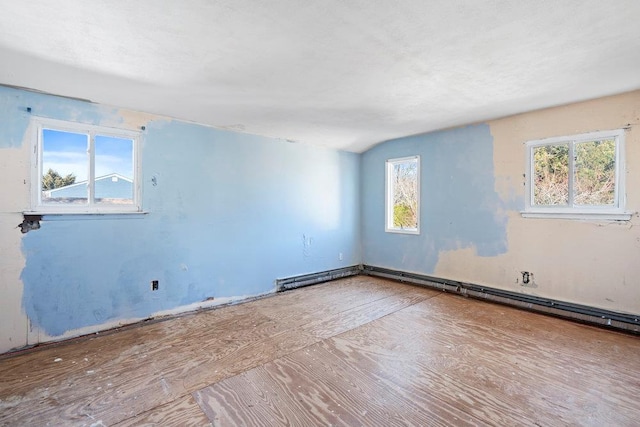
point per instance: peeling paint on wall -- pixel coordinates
(459, 205)
(19, 106)
(581, 262)
(224, 221)
(231, 212)
(13, 127)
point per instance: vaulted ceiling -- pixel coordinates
(345, 74)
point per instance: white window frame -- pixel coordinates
(40, 208)
(614, 212)
(390, 163)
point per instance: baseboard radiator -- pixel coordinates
(581, 313)
(313, 278)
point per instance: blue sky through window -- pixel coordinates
(66, 152)
(113, 155)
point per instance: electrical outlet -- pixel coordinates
(527, 280)
(340, 256)
(154, 285)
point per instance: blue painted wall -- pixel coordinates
(229, 214)
(14, 117)
(459, 206)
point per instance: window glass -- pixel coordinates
(551, 185)
(114, 170)
(577, 177)
(64, 167)
(595, 173)
(82, 168)
(403, 195)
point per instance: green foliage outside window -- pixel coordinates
(405, 195)
(595, 173)
(404, 216)
(593, 165)
(551, 163)
(52, 179)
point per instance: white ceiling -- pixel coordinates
(345, 74)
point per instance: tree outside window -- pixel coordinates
(403, 184)
(578, 175)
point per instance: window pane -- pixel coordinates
(595, 172)
(114, 170)
(64, 167)
(405, 194)
(551, 175)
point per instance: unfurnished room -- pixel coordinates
(331, 213)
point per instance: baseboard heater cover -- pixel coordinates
(582, 313)
(313, 278)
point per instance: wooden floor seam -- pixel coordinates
(355, 351)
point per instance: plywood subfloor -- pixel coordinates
(354, 352)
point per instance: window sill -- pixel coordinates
(65, 216)
(585, 216)
(401, 231)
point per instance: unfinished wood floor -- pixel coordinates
(354, 352)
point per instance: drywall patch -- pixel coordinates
(13, 321)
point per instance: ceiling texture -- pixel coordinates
(345, 74)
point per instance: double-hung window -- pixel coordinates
(403, 195)
(578, 177)
(79, 168)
